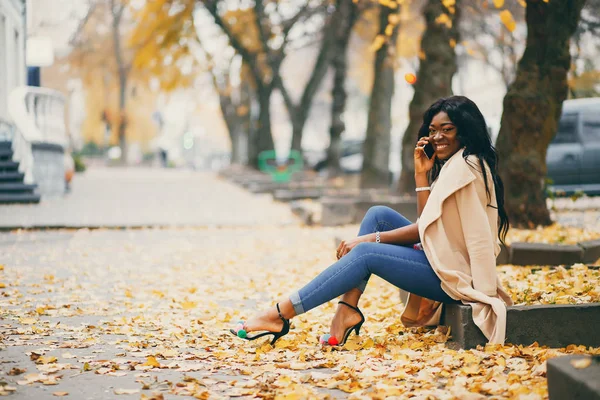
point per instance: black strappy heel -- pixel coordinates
(241, 332)
(331, 340)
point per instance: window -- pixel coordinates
(591, 127)
(567, 129)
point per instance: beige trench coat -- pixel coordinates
(458, 231)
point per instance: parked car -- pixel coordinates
(573, 157)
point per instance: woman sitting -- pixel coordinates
(461, 215)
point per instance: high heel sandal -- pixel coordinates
(332, 340)
(240, 332)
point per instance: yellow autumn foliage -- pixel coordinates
(507, 19)
(444, 19)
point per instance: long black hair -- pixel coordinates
(472, 133)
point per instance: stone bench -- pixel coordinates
(553, 325)
(565, 382)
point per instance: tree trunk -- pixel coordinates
(261, 138)
(299, 113)
(376, 149)
(434, 80)
(122, 117)
(532, 108)
(347, 14)
(298, 120)
(235, 115)
(117, 10)
(232, 122)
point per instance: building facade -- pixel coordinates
(13, 69)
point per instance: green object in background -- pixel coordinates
(78, 163)
(280, 171)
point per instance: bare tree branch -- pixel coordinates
(76, 37)
(250, 58)
(259, 16)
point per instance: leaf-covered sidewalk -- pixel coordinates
(144, 314)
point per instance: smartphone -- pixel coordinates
(429, 150)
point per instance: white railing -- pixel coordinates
(6, 131)
(38, 115)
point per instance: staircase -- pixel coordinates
(12, 186)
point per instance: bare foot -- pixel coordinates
(344, 318)
(266, 321)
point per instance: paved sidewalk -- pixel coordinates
(103, 301)
(137, 197)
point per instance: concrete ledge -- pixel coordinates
(565, 382)
(591, 251)
(342, 211)
(303, 213)
(464, 333)
(245, 180)
(326, 191)
(238, 170)
(405, 206)
(271, 187)
(553, 325)
(298, 194)
(504, 256)
(338, 211)
(544, 254)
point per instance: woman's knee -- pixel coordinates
(380, 213)
(363, 248)
(377, 212)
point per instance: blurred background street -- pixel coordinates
(149, 197)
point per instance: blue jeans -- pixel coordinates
(401, 266)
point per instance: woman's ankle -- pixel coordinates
(286, 309)
(352, 297)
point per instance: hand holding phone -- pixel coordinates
(428, 150)
(424, 155)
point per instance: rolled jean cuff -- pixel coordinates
(362, 286)
(297, 303)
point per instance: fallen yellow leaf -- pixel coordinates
(188, 305)
(151, 361)
(45, 360)
(60, 394)
(582, 363)
(127, 391)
